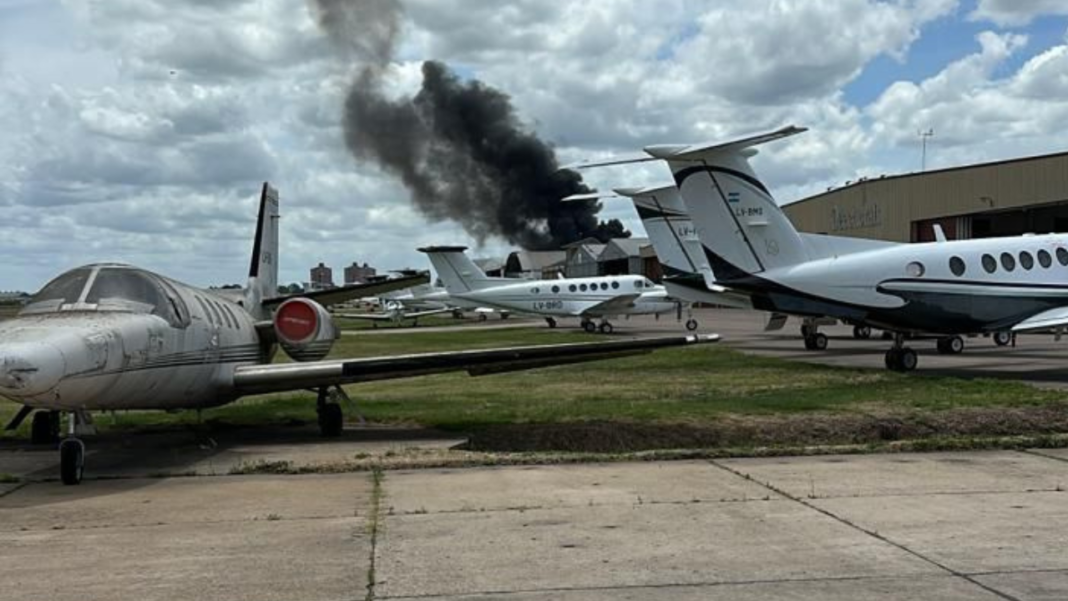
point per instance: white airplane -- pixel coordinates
(113, 337)
(393, 312)
(688, 274)
(585, 298)
(991, 285)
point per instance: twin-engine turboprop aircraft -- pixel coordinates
(113, 337)
(393, 312)
(945, 288)
(585, 298)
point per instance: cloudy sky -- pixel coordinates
(141, 130)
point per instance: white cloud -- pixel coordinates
(1016, 13)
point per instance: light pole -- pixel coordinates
(923, 136)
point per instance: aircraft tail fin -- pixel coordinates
(743, 229)
(263, 272)
(457, 271)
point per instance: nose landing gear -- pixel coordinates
(901, 358)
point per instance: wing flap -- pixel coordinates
(259, 379)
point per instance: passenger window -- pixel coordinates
(615, 285)
(1027, 261)
(556, 290)
(1062, 256)
(991, 265)
(1008, 262)
(1044, 259)
(637, 284)
(583, 287)
(573, 288)
(957, 266)
(604, 286)
(534, 291)
(915, 269)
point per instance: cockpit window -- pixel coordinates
(64, 290)
(129, 290)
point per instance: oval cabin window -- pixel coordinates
(957, 266)
(990, 264)
(1027, 261)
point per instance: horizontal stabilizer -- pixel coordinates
(590, 196)
(609, 162)
(684, 152)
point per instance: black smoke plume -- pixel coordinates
(458, 146)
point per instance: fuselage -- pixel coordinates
(108, 337)
(969, 286)
(575, 297)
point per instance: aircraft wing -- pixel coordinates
(618, 303)
(280, 377)
(1047, 320)
(347, 293)
(363, 316)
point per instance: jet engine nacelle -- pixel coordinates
(304, 329)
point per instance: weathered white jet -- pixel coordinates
(946, 288)
(113, 337)
(585, 298)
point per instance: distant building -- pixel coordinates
(582, 258)
(494, 268)
(322, 277)
(623, 256)
(355, 274)
(531, 264)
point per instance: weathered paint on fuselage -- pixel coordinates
(104, 360)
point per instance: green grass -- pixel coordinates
(689, 386)
(430, 321)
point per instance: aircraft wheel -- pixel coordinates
(893, 359)
(954, 345)
(691, 325)
(482, 317)
(816, 342)
(551, 322)
(909, 359)
(861, 332)
(589, 326)
(606, 328)
(45, 428)
(1002, 338)
(331, 420)
(457, 314)
(71, 461)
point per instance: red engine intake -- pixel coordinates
(304, 329)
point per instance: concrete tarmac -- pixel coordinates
(985, 526)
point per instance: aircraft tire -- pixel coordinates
(1002, 338)
(589, 326)
(606, 328)
(71, 461)
(816, 342)
(691, 325)
(893, 359)
(908, 360)
(331, 420)
(861, 332)
(551, 322)
(44, 428)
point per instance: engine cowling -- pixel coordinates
(304, 329)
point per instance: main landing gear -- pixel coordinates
(953, 345)
(814, 340)
(691, 324)
(604, 327)
(901, 358)
(328, 407)
(1003, 338)
(551, 321)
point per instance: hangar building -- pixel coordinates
(1005, 198)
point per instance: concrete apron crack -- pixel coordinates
(377, 476)
(866, 531)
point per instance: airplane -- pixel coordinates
(395, 313)
(108, 337)
(688, 274)
(428, 296)
(585, 298)
(946, 288)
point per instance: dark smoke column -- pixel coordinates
(458, 146)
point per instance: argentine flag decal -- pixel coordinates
(733, 197)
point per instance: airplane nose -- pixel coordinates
(28, 370)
